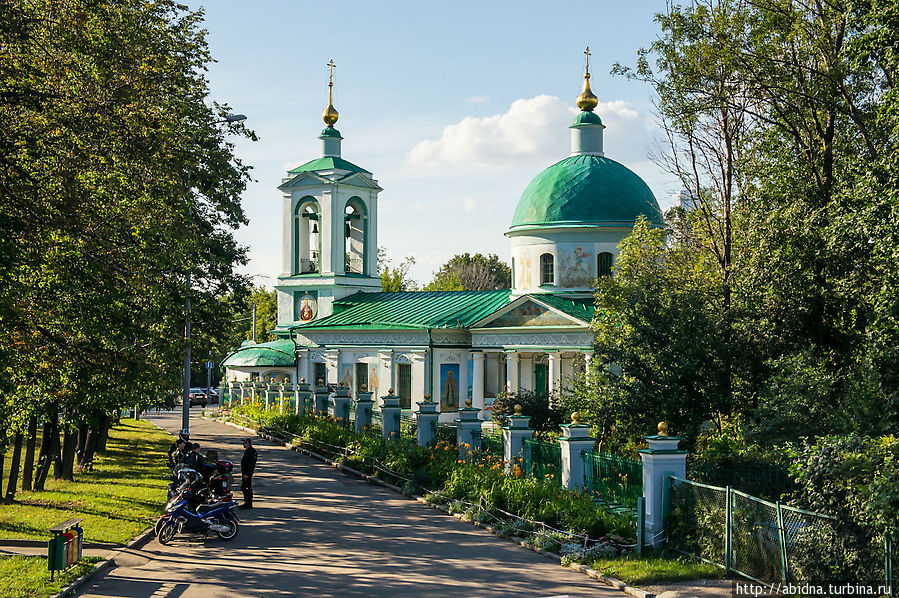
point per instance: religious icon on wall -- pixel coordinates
(347, 379)
(449, 386)
(307, 308)
(575, 267)
(523, 269)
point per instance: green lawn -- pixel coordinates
(28, 577)
(667, 567)
(121, 497)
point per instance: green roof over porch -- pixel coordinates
(279, 353)
(419, 310)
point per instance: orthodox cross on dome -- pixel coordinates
(587, 101)
(330, 114)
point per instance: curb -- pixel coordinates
(107, 564)
(588, 571)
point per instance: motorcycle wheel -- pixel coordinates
(167, 532)
(158, 527)
(231, 523)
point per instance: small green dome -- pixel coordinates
(330, 132)
(586, 190)
(586, 118)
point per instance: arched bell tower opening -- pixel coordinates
(307, 236)
(356, 236)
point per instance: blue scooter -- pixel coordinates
(217, 517)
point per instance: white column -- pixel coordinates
(588, 359)
(477, 379)
(332, 362)
(512, 372)
(554, 371)
(526, 371)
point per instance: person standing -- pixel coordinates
(247, 467)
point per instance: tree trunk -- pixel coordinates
(30, 444)
(90, 447)
(68, 454)
(82, 442)
(105, 422)
(14, 468)
(49, 444)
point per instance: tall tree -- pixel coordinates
(466, 272)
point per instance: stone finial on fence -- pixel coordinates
(514, 434)
(468, 429)
(574, 442)
(427, 417)
(661, 460)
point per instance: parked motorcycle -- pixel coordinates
(187, 513)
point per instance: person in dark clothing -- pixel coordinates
(194, 460)
(247, 467)
(177, 446)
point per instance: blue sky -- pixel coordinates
(453, 106)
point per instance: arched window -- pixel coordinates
(604, 264)
(355, 236)
(547, 274)
(306, 236)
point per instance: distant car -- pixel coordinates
(213, 396)
(197, 396)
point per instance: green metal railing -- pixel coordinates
(408, 426)
(616, 480)
(543, 459)
(764, 479)
(492, 442)
(446, 433)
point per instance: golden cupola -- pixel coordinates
(330, 114)
(587, 101)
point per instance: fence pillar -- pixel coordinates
(270, 390)
(363, 410)
(390, 416)
(284, 390)
(339, 405)
(468, 429)
(427, 417)
(301, 394)
(574, 442)
(661, 460)
(514, 434)
(321, 398)
(241, 388)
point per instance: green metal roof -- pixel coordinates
(580, 308)
(328, 163)
(586, 118)
(274, 353)
(586, 190)
(330, 132)
(419, 310)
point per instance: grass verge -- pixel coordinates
(661, 568)
(28, 577)
(121, 497)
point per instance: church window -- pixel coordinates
(404, 384)
(361, 377)
(547, 274)
(604, 264)
(355, 236)
(319, 372)
(306, 236)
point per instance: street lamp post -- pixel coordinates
(185, 382)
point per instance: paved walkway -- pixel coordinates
(319, 532)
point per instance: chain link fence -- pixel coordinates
(766, 541)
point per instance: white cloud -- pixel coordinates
(469, 204)
(478, 99)
(531, 130)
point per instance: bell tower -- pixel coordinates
(329, 229)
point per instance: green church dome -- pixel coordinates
(586, 190)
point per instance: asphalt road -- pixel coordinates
(318, 532)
